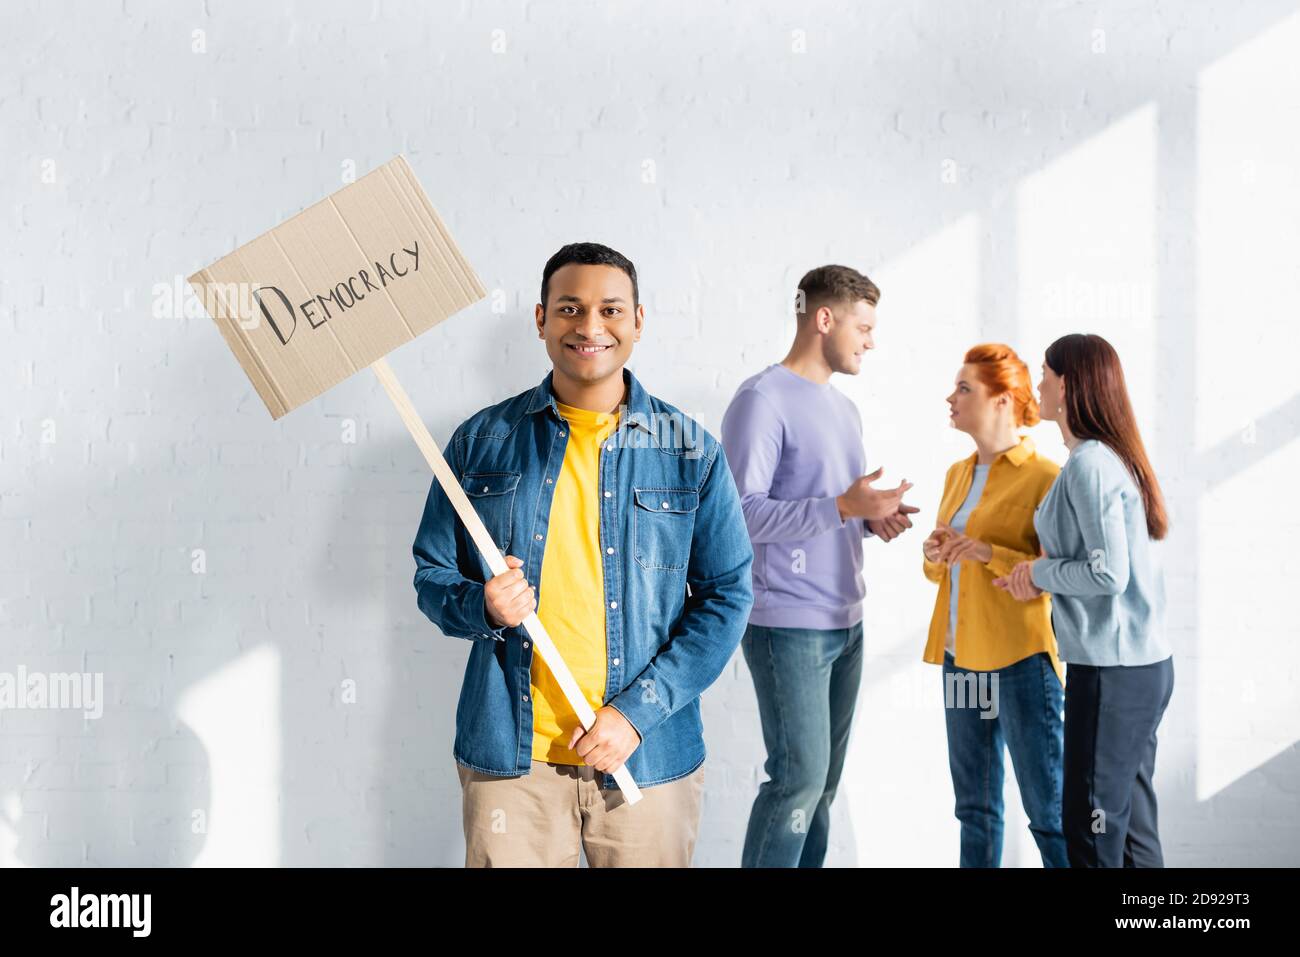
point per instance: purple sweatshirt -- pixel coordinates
(793, 446)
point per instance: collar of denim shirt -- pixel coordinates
(637, 408)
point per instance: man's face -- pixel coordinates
(849, 336)
(589, 322)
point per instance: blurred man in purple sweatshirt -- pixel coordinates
(794, 443)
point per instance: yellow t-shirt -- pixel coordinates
(572, 590)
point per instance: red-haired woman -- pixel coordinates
(1097, 524)
(1002, 679)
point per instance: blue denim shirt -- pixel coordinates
(677, 587)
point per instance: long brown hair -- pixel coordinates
(1097, 407)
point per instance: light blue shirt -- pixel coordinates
(959, 523)
(1108, 589)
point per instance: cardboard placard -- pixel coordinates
(336, 287)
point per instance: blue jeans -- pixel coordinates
(807, 684)
(1019, 706)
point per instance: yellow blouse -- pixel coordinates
(994, 629)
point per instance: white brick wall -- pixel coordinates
(1009, 171)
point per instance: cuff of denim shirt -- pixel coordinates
(476, 614)
(643, 715)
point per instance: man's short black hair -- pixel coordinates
(588, 254)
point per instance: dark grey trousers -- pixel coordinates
(1108, 800)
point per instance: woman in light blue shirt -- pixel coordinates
(1097, 525)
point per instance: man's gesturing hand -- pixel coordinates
(891, 526)
(863, 501)
(507, 598)
(609, 742)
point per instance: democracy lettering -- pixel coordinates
(344, 294)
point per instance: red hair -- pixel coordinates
(1004, 373)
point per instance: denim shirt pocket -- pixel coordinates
(493, 496)
(663, 523)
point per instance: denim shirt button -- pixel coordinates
(610, 550)
(616, 661)
(608, 494)
(538, 536)
(613, 604)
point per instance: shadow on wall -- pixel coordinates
(148, 808)
(133, 786)
(1255, 802)
(407, 673)
(397, 722)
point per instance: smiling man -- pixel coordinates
(795, 444)
(634, 556)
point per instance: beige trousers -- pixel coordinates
(540, 819)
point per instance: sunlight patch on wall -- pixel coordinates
(235, 713)
(1248, 296)
(934, 289)
(1087, 237)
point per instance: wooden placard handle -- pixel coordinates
(492, 555)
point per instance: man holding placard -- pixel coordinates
(311, 302)
(623, 531)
